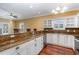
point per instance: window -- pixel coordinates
(22, 27)
(61, 25)
(4, 28)
(58, 24)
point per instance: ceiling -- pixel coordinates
(29, 10)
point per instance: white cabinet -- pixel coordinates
(47, 24)
(55, 38)
(38, 45)
(10, 51)
(52, 38)
(25, 49)
(61, 39)
(49, 38)
(32, 47)
(70, 41)
(72, 21)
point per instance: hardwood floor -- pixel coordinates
(56, 50)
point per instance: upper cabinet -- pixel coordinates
(63, 22)
(57, 24)
(72, 22)
(48, 24)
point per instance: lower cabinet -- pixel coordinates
(37, 46)
(10, 51)
(25, 49)
(52, 38)
(32, 47)
(61, 39)
(69, 41)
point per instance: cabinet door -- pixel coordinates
(10, 51)
(25, 49)
(42, 42)
(61, 40)
(66, 40)
(39, 44)
(70, 41)
(50, 38)
(21, 49)
(33, 46)
(55, 38)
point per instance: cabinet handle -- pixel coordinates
(35, 45)
(17, 48)
(18, 54)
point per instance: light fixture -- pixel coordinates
(54, 11)
(65, 8)
(59, 10)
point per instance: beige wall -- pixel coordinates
(37, 22)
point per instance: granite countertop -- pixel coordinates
(17, 41)
(76, 35)
(23, 38)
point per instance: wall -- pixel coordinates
(37, 22)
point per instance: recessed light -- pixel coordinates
(31, 6)
(53, 11)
